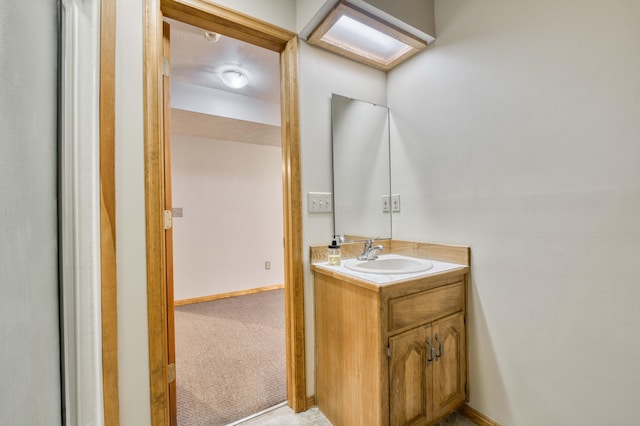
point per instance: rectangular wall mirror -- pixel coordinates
(361, 169)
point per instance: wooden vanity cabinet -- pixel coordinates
(374, 359)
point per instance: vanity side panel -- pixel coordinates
(466, 336)
(349, 353)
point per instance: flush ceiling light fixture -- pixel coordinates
(234, 79)
(366, 38)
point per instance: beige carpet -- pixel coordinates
(230, 358)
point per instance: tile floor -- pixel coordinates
(282, 416)
(285, 416)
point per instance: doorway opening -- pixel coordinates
(226, 197)
(230, 23)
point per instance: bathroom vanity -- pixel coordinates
(391, 348)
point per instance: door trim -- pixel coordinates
(168, 233)
(108, 277)
(228, 22)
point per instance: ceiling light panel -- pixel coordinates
(356, 34)
(364, 40)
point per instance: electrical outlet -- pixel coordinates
(319, 202)
(395, 203)
(267, 265)
(386, 204)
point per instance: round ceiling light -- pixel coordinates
(234, 79)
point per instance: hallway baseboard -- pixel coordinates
(226, 295)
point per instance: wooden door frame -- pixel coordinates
(109, 306)
(227, 22)
(168, 234)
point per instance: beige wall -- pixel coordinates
(517, 133)
(231, 199)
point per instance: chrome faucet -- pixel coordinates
(370, 252)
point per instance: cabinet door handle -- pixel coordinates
(440, 348)
(430, 352)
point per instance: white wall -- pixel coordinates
(231, 196)
(517, 133)
(29, 328)
(321, 74)
(133, 349)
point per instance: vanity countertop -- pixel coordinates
(448, 261)
(375, 281)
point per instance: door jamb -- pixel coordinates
(108, 265)
(228, 22)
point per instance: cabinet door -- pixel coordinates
(450, 367)
(408, 384)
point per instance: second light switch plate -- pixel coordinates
(319, 202)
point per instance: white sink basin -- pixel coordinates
(389, 264)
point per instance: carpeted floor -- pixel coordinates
(230, 358)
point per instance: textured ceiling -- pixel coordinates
(198, 61)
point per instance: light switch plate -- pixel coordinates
(386, 204)
(319, 202)
(395, 203)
